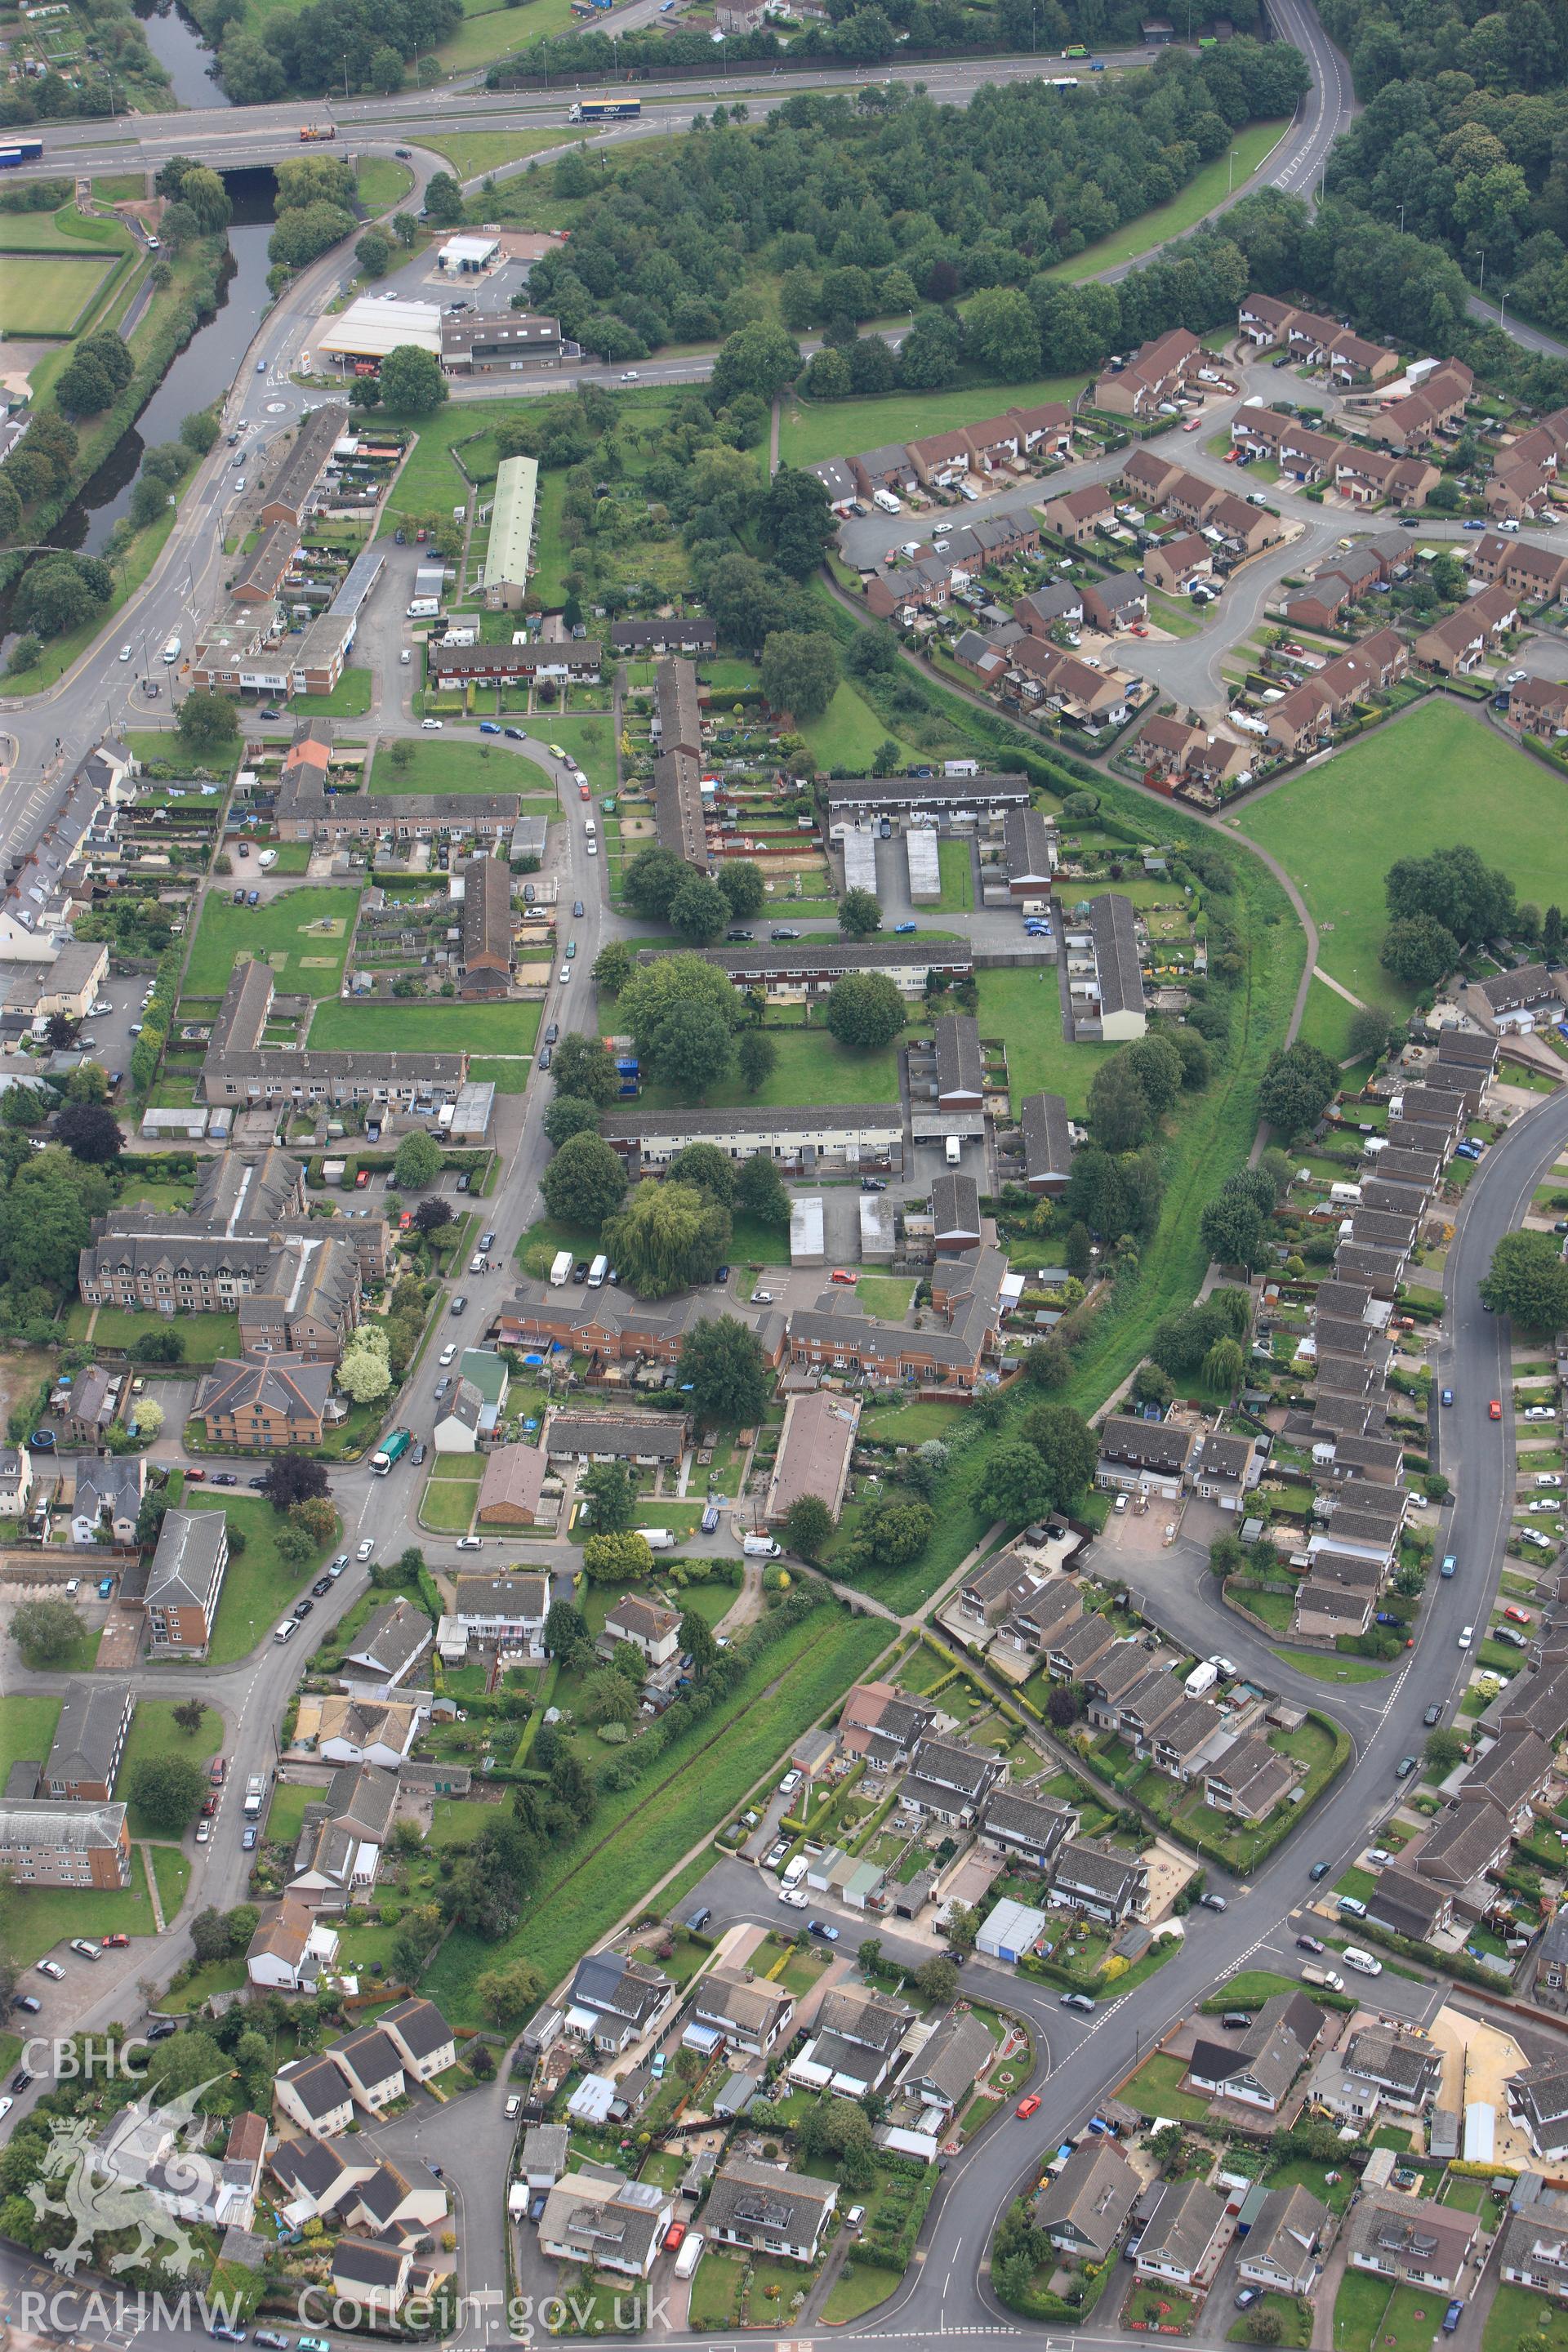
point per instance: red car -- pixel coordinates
(215, 1772)
(1029, 2106)
(116, 1943)
(673, 2236)
(209, 1807)
(197, 1473)
(1516, 1616)
(839, 1274)
(583, 792)
(362, 1180)
(1494, 1410)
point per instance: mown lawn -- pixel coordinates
(1520, 2316)
(171, 1869)
(473, 153)
(1024, 1009)
(259, 1589)
(505, 1032)
(451, 763)
(154, 1732)
(303, 934)
(27, 1730)
(811, 1068)
(34, 1918)
(1438, 776)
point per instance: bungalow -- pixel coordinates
(1422, 2244)
(390, 1643)
(1534, 2246)
(1282, 2250)
(649, 1440)
(1538, 2099)
(1083, 2209)
(1181, 2240)
(345, 1729)
(603, 2221)
(1258, 2068)
(769, 2210)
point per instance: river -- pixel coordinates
(199, 374)
(176, 41)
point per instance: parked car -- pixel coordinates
(1406, 1766)
(364, 1550)
(1308, 1944)
(248, 1840)
(470, 1543)
(1027, 2108)
(1447, 1396)
(823, 1927)
(51, 1969)
(1212, 1902)
(1434, 1715)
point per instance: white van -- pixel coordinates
(887, 501)
(760, 1548)
(287, 1631)
(1364, 1963)
(589, 827)
(597, 1272)
(953, 1150)
(690, 2252)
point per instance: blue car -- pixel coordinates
(1473, 524)
(489, 727)
(902, 929)
(1447, 1396)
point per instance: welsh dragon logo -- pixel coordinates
(149, 2163)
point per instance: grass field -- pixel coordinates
(1188, 206)
(1422, 782)
(350, 698)
(154, 1732)
(848, 734)
(303, 934)
(1024, 1009)
(589, 739)
(811, 1068)
(286, 1814)
(206, 1337)
(259, 1589)
(65, 231)
(382, 182)
(471, 153)
(638, 1833)
(447, 763)
(452, 1493)
(45, 293)
(1323, 1667)
(171, 1869)
(505, 1032)
(829, 428)
(27, 1730)
(34, 1918)
(1368, 2312)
